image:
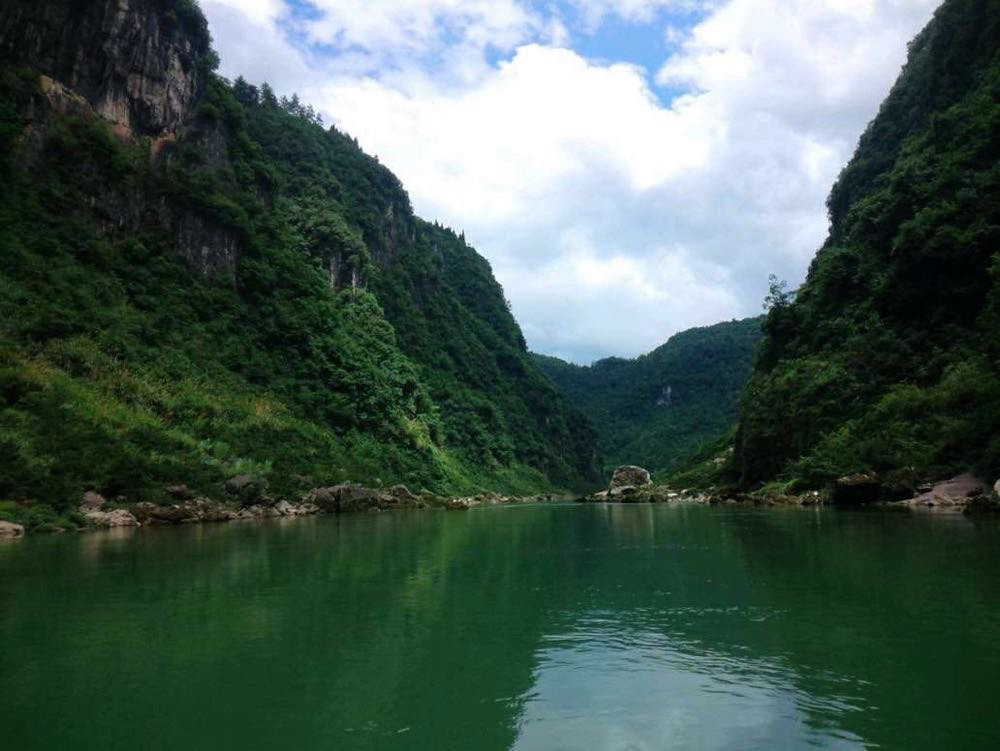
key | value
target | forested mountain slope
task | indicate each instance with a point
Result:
(889, 356)
(200, 280)
(657, 409)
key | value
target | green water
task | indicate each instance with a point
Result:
(545, 627)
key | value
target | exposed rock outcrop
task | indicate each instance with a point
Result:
(206, 247)
(138, 63)
(956, 492)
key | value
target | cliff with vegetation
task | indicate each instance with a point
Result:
(887, 360)
(657, 409)
(201, 281)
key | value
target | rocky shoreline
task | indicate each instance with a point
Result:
(248, 500)
(962, 493)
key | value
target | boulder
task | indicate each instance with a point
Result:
(863, 487)
(196, 510)
(324, 498)
(429, 499)
(356, 498)
(458, 504)
(629, 476)
(248, 488)
(996, 490)
(622, 491)
(92, 500)
(118, 517)
(285, 508)
(203, 510)
(11, 530)
(955, 492)
(347, 497)
(399, 496)
(149, 513)
(402, 493)
(179, 491)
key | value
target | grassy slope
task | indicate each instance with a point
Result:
(627, 401)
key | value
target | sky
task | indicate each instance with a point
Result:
(630, 168)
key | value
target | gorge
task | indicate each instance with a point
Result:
(214, 307)
(203, 282)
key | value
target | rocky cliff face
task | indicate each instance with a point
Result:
(139, 63)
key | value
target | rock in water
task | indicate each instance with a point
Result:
(9, 529)
(629, 476)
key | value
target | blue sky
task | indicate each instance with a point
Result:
(630, 168)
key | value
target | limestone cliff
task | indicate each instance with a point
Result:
(219, 285)
(139, 63)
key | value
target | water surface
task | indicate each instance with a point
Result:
(528, 628)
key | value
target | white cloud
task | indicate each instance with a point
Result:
(612, 220)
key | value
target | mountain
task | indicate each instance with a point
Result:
(888, 357)
(657, 409)
(201, 280)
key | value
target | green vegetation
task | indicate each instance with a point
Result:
(657, 409)
(889, 355)
(254, 298)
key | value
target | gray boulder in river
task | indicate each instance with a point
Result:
(629, 476)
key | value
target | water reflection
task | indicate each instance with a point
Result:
(606, 686)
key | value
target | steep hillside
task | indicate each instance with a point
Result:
(657, 409)
(200, 280)
(888, 356)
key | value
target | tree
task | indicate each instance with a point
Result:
(778, 294)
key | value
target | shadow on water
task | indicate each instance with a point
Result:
(549, 627)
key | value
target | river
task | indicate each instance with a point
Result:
(531, 628)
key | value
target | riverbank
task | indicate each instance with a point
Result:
(963, 493)
(247, 501)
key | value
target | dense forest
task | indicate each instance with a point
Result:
(887, 359)
(249, 294)
(658, 409)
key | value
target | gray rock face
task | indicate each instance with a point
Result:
(629, 476)
(996, 490)
(137, 65)
(205, 246)
(955, 492)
